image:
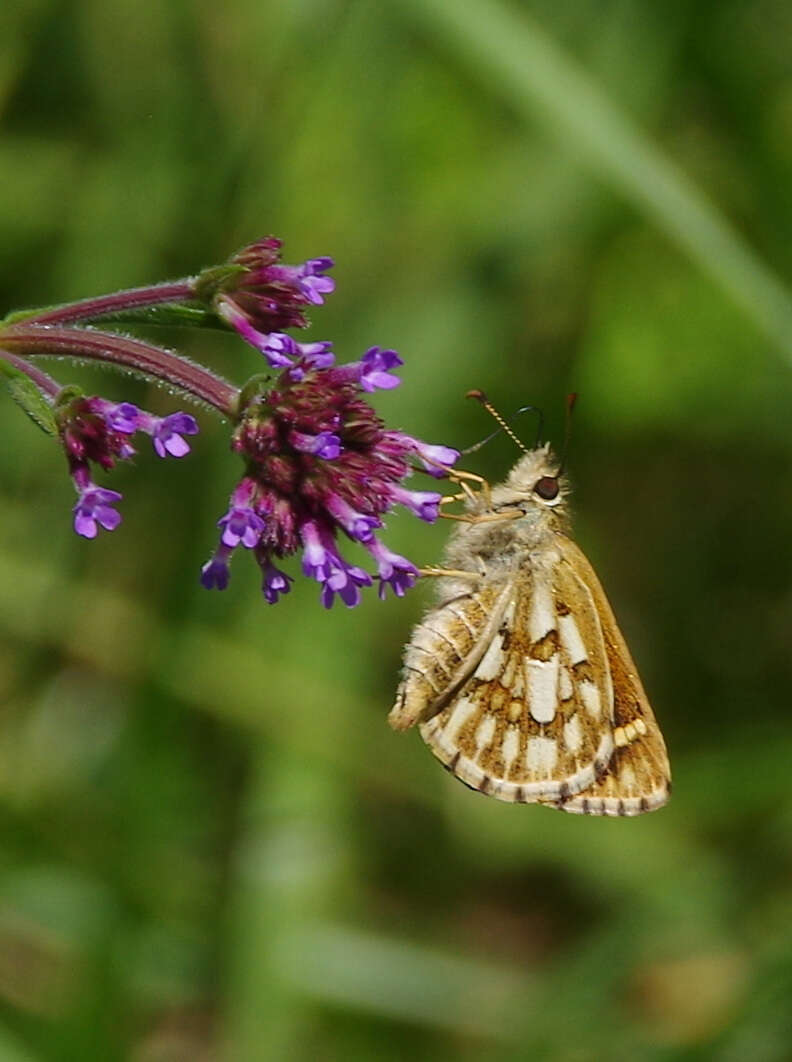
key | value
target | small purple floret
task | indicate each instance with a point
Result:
(326, 444)
(393, 570)
(274, 583)
(123, 418)
(216, 573)
(277, 348)
(424, 503)
(374, 366)
(95, 507)
(437, 460)
(357, 525)
(241, 525)
(312, 284)
(345, 580)
(322, 562)
(167, 434)
(317, 355)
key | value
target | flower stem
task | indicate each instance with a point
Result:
(102, 305)
(40, 340)
(48, 387)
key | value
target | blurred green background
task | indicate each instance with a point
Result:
(211, 844)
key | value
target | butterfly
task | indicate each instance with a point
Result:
(519, 678)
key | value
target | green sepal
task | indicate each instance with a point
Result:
(257, 385)
(211, 281)
(29, 399)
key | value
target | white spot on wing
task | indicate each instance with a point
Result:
(565, 689)
(589, 694)
(573, 735)
(540, 756)
(541, 677)
(543, 614)
(460, 713)
(571, 640)
(510, 747)
(484, 733)
(490, 665)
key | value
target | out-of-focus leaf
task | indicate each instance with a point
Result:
(28, 397)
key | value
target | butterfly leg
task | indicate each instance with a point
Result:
(452, 573)
(464, 479)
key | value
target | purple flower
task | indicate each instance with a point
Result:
(437, 460)
(215, 574)
(326, 444)
(166, 434)
(375, 364)
(322, 562)
(316, 355)
(123, 418)
(318, 460)
(357, 525)
(257, 292)
(274, 583)
(345, 581)
(277, 347)
(424, 503)
(241, 525)
(93, 429)
(393, 570)
(312, 284)
(95, 506)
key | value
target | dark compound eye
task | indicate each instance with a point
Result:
(547, 488)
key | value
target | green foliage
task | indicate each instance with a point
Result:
(212, 845)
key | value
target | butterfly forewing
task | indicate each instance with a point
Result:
(533, 723)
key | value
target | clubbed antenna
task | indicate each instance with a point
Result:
(482, 398)
(571, 399)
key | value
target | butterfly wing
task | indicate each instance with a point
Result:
(552, 710)
(638, 777)
(446, 648)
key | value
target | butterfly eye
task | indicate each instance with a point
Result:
(547, 488)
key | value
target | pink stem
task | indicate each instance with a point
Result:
(38, 340)
(45, 383)
(101, 305)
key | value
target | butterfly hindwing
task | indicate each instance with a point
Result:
(444, 650)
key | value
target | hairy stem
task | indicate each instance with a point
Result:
(39, 340)
(45, 383)
(101, 305)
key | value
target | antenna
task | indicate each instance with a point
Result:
(482, 398)
(571, 399)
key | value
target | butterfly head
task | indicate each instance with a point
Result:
(536, 479)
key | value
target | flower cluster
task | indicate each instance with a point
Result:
(95, 429)
(258, 295)
(319, 463)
